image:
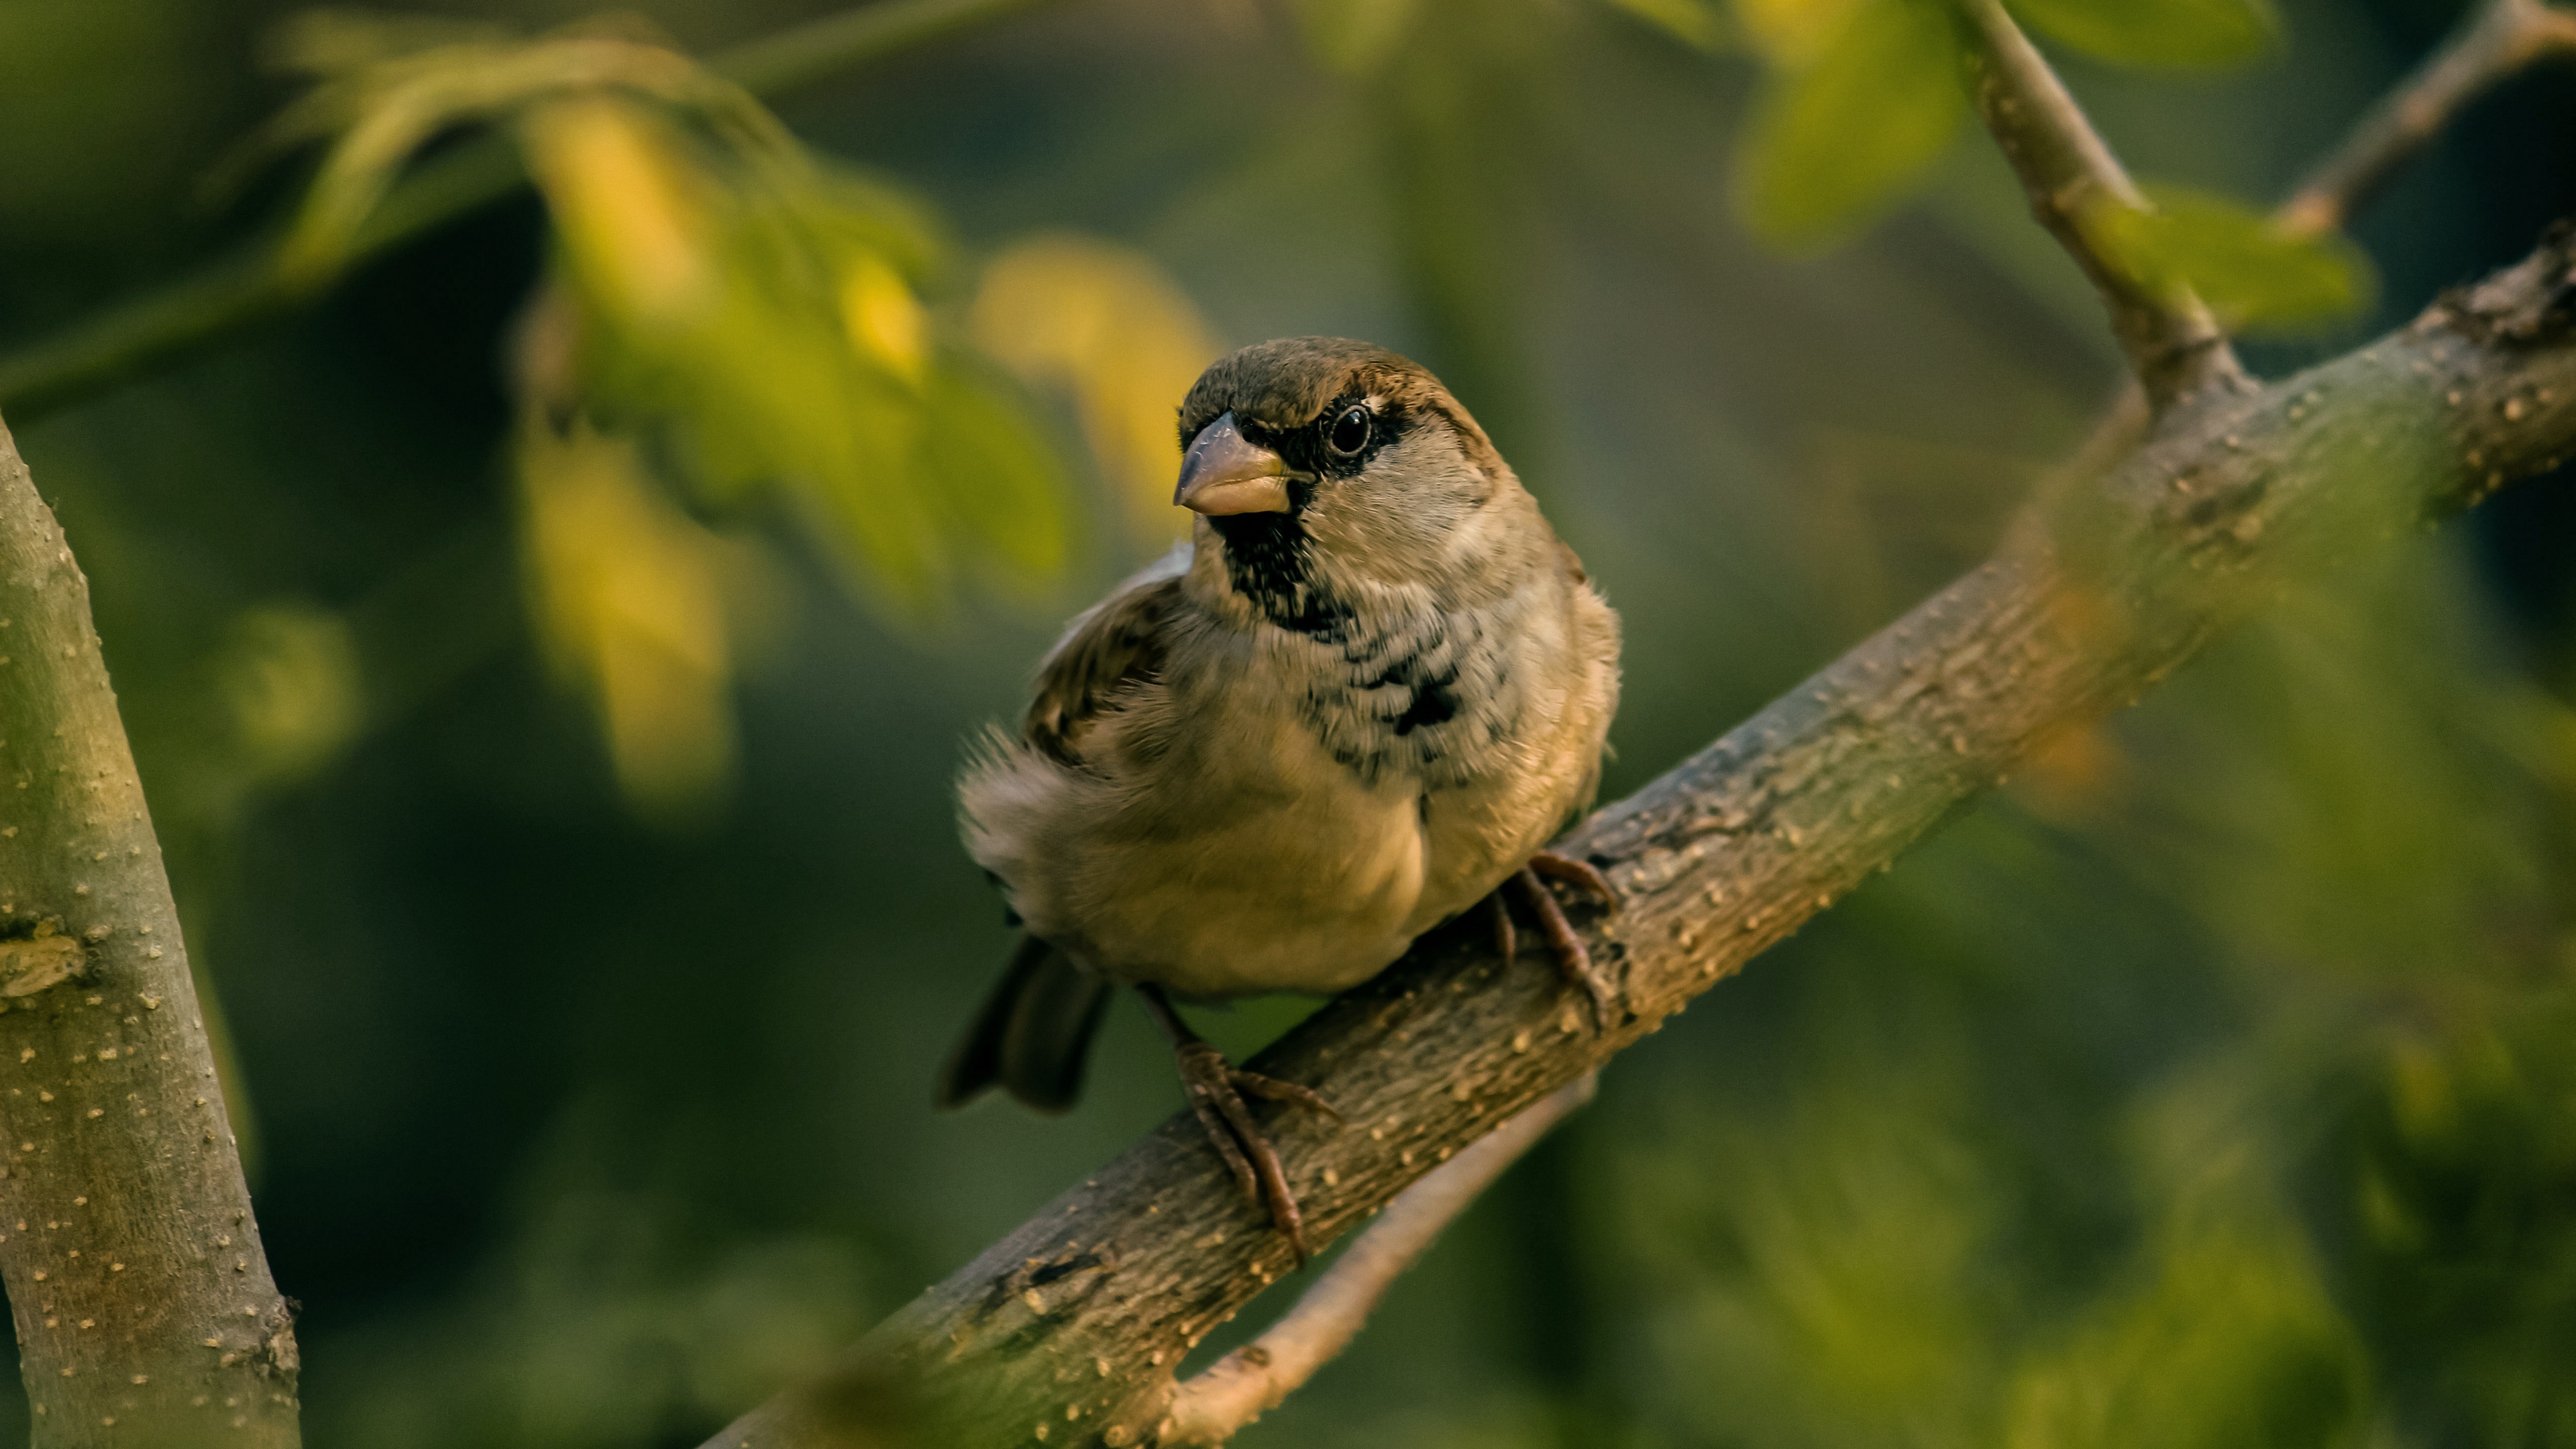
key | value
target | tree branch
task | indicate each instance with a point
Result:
(2173, 344)
(1069, 1329)
(2497, 40)
(170, 323)
(142, 1299)
(1259, 1376)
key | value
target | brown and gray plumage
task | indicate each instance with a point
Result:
(1360, 701)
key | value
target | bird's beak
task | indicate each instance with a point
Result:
(1225, 472)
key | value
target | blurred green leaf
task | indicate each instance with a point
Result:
(990, 467)
(2226, 1336)
(1835, 143)
(1792, 33)
(1109, 325)
(2234, 1342)
(2252, 274)
(290, 672)
(723, 312)
(2468, 1158)
(629, 598)
(388, 85)
(742, 313)
(738, 307)
(1353, 36)
(1695, 23)
(2163, 34)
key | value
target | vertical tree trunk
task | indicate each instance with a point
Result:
(143, 1302)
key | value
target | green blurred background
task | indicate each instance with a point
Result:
(558, 802)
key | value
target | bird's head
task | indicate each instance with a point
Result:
(1322, 445)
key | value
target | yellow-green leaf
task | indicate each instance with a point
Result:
(631, 216)
(629, 597)
(1353, 36)
(1108, 324)
(1694, 23)
(1836, 142)
(996, 476)
(2252, 274)
(291, 674)
(881, 314)
(2164, 34)
(1791, 32)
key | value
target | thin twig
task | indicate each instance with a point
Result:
(2499, 39)
(178, 320)
(1259, 1376)
(2173, 343)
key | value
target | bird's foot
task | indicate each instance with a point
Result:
(1215, 1088)
(1573, 962)
(1582, 874)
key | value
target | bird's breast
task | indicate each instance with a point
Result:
(1274, 867)
(1418, 694)
(1287, 811)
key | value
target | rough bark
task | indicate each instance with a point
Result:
(143, 1303)
(1069, 1330)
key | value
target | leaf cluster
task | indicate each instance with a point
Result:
(729, 326)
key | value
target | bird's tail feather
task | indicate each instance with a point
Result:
(1031, 1035)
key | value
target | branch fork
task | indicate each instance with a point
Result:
(2173, 343)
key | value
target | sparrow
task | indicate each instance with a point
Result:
(1356, 704)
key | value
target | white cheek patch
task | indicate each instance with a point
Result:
(1417, 507)
(1436, 494)
(1435, 480)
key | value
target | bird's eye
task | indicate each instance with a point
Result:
(1350, 431)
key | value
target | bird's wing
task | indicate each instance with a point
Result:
(1111, 647)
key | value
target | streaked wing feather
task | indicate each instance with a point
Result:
(1110, 649)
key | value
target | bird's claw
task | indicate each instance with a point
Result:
(1580, 873)
(1573, 962)
(1215, 1088)
(1275, 1090)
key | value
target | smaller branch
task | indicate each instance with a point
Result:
(2173, 344)
(1257, 1377)
(2499, 39)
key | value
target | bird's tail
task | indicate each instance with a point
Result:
(1032, 1033)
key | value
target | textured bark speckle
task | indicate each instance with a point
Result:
(144, 1308)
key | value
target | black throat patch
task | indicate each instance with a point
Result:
(1270, 561)
(1269, 557)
